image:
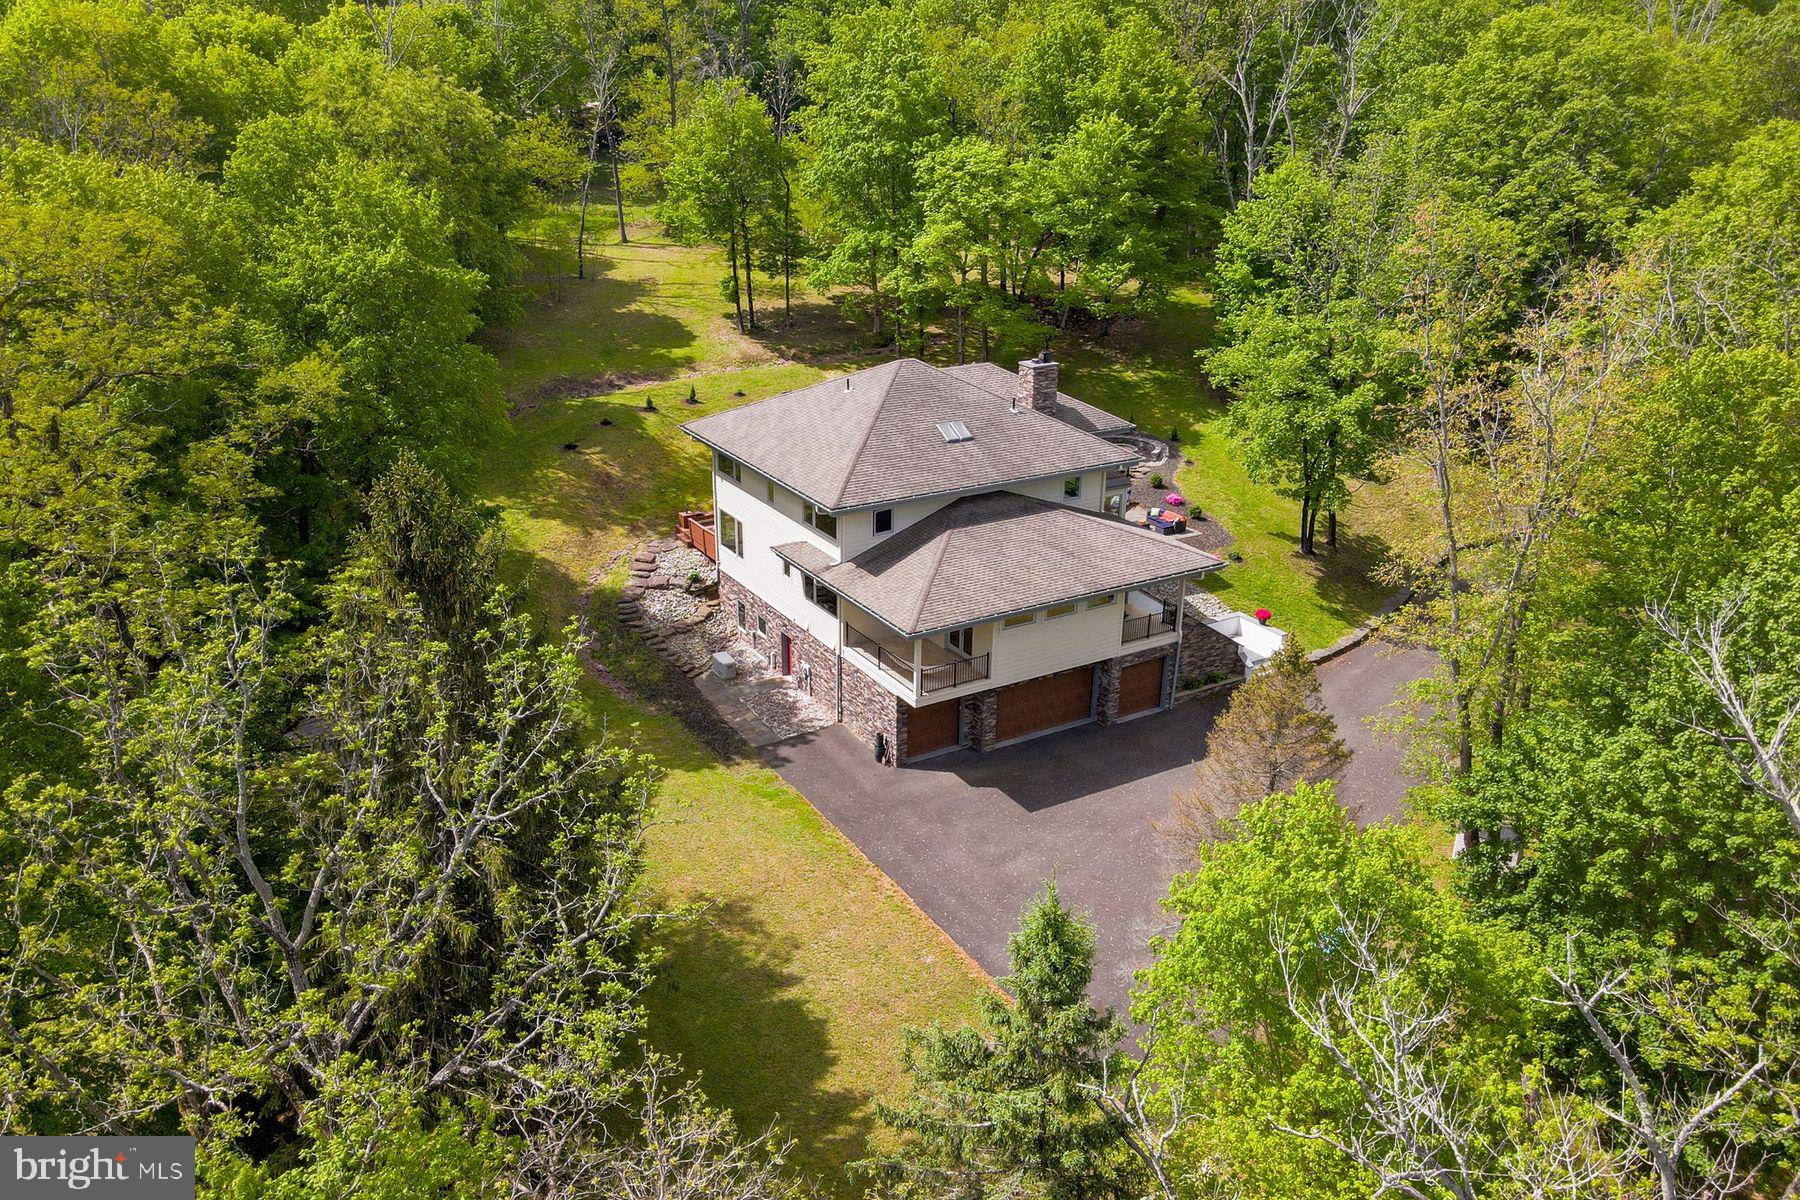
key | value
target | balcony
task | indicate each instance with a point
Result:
(1146, 616)
(938, 670)
(1117, 480)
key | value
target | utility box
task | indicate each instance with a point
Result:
(724, 666)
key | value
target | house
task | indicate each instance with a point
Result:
(937, 554)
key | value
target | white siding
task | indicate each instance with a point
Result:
(857, 529)
(759, 568)
(1046, 646)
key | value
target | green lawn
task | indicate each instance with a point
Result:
(788, 994)
(1150, 375)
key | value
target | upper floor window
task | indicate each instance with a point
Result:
(962, 640)
(731, 533)
(1072, 486)
(820, 595)
(822, 521)
(1018, 619)
(1103, 601)
(771, 484)
(728, 466)
(1058, 610)
(884, 520)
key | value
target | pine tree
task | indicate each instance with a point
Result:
(1275, 733)
(1008, 1109)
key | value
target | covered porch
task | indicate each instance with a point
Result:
(922, 665)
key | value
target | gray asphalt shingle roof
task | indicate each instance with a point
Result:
(1069, 410)
(878, 441)
(990, 555)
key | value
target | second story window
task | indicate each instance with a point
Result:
(822, 521)
(731, 533)
(884, 520)
(771, 484)
(820, 595)
(1018, 619)
(1058, 610)
(728, 466)
(1072, 487)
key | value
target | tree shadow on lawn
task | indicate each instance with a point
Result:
(632, 474)
(575, 329)
(726, 999)
(1341, 580)
(818, 332)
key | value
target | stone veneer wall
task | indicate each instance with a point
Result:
(859, 702)
(1205, 651)
(870, 709)
(980, 713)
(1107, 705)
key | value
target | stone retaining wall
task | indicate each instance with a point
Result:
(1205, 651)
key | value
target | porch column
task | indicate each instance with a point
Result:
(1180, 604)
(918, 648)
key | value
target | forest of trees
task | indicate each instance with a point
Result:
(309, 851)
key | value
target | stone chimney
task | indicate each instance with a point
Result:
(1037, 383)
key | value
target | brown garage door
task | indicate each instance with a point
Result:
(931, 728)
(1140, 687)
(1044, 703)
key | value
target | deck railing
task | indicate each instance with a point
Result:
(954, 674)
(1140, 627)
(696, 529)
(933, 678)
(887, 660)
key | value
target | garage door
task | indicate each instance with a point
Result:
(1044, 703)
(931, 728)
(1140, 687)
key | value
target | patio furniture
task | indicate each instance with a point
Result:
(1167, 522)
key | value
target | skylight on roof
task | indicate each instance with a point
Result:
(955, 431)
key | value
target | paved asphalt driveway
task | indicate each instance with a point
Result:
(972, 837)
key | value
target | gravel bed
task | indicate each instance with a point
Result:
(667, 608)
(783, 708)
(677, 564)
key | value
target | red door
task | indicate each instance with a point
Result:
(787, 655)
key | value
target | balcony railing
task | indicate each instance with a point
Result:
(887, 660)
(1117, 479)
(954, 674)
(934, 678)
(1137, 628)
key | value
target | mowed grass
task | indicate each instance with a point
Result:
(788, 993)
(1150, 374)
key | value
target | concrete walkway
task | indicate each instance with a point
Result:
(972, 837)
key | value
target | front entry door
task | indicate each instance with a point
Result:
(787, 655)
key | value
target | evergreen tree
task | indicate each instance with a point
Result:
(1276, 733)
(1009, 1108)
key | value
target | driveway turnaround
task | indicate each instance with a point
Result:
(972, 837)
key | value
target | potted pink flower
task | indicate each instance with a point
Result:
(1263, 615)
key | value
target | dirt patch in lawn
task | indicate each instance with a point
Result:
(566, 387)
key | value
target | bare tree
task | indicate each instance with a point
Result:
(601, 50)
(671, 1145)
(1688, 20)
(1254, 55)
(1364, 27)
(1756, 726)
(1691, 1121)
(1415, 1132)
